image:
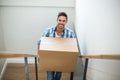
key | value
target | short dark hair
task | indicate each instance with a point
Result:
(62, 14)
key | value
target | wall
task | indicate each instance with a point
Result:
(2, 48)
(23, 25)
(45, 3)
(24, 21)
(97, 27)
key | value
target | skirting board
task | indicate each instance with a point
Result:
(3, 70)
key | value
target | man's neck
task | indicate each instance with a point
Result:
(59, 32)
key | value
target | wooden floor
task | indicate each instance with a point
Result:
(16, 71)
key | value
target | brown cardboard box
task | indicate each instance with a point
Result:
(58, 54)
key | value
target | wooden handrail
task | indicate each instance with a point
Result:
(15, 55)
(115, 56)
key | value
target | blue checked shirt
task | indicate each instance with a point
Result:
(50, 32)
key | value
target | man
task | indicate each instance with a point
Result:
(58, 31)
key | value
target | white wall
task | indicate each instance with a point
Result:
(2, 47)
(45, 3)
(98, 22)
(23, 21)
(97, 26)
(23, 25)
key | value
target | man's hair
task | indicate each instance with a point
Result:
(62, 14)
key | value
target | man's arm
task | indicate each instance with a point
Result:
(38, 48)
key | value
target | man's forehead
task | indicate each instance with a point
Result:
(62, 17)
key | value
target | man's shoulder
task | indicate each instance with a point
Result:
(51, 28)
(68, 29)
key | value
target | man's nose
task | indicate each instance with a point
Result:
(61, 22)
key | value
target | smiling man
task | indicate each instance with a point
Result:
(61, 31)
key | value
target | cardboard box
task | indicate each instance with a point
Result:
(58, 54)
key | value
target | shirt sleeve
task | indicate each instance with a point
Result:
(38, 42)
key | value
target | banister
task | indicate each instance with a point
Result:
(103, 56)
(15, 55)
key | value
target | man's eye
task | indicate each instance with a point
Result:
(63, 20)
(59, 20)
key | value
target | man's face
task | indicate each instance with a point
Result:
(61, 22)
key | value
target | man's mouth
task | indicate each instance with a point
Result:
(61, 27)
